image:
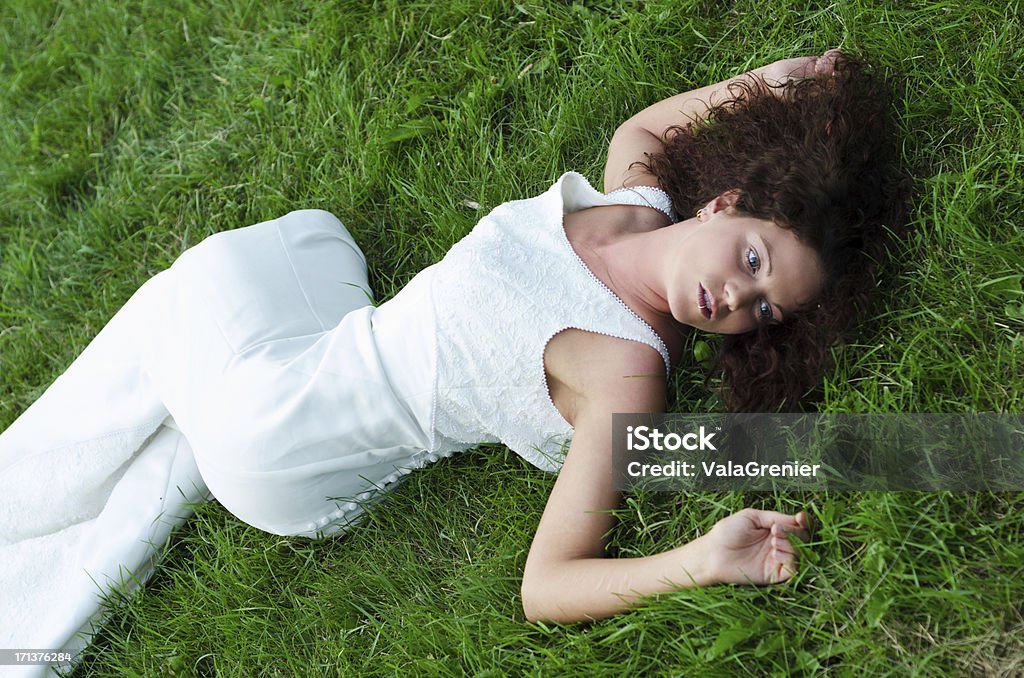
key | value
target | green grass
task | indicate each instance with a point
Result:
(134, 129)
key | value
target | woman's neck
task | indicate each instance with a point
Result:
(626, 248)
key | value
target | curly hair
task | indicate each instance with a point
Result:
(817, 156)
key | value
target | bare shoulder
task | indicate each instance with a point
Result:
(604, 374)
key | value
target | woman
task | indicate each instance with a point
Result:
(255, 369)
(802, 196)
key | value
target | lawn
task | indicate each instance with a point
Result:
(132, 130)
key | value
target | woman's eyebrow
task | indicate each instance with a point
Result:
(768, 271)
(768, 255)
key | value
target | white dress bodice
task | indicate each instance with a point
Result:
(483, 315)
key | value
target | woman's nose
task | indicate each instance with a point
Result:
(737, 294)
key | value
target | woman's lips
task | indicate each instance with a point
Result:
(705, 302)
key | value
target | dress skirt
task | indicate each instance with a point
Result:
(249, 371)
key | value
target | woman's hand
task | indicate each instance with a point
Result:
(786, 70)
(751, 546)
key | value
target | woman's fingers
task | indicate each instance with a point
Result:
(803, 519)
(782, 559)
(766, 519)
(780, 542)
(826, 63)
(787, 567)
(783, 565)
(803, 526)
(798, 525)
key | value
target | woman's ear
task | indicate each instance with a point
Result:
(723, 201)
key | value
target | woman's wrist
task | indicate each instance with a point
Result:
(696, 562)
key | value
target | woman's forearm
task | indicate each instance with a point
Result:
(687, 107)
(593, 588)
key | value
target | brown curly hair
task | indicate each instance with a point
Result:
(817, 156)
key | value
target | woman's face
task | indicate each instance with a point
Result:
(733, 273)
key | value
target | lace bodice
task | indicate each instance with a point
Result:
(499, 296)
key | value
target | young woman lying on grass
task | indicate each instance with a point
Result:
(256, 371)
(790, 173)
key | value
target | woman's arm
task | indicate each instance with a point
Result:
(647, 131)
(568, 579)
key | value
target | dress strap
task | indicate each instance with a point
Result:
(645, 196)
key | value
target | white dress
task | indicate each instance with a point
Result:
(255, 370)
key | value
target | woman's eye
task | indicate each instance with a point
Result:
(764, 311)
(753, 260)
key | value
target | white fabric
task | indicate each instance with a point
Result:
(501, 294)
(645, 196)
(255, 370)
